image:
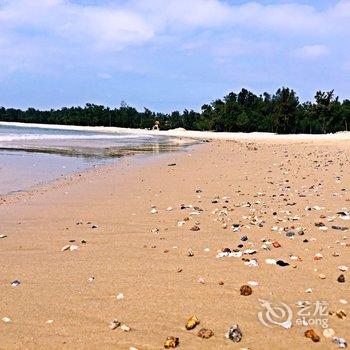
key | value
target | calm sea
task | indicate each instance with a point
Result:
(30, 157)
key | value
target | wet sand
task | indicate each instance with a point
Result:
(257, 186)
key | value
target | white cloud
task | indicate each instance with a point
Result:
(312, 51)
(36, 34)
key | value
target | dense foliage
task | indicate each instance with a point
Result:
(245, 111)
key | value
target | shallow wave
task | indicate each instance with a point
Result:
(27, 137)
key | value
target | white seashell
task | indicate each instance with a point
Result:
(6, 319)
(329, 333)
(125, 328)
(49, 321)
(73, 247)
(114, 324)
(343, 268)
(120, 296)
(343, 301)
(169, 209)
(270, 261)
(3, 236)
(309, 290)
(154, 211)
(252, 283)
(66, 247)
(207, 250)
(201, 280)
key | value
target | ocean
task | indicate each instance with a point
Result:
(31, 156)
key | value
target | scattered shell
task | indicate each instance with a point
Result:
(322, 276)
(341, 279)
(125, 328)
(64, 248)
(190, 253)
(205, 333)
(201, 280)
(234, 334)
(192, 323)
(340, 342)
(252, 283)
(310, 333)
(171, 342)
(114, 324)
(246, 290)
(6, 319)
(120, 296)
(15, 283)
(328, 333)
(2, 236)
(343, 268)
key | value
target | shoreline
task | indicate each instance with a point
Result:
(67, 299)
(254, 136)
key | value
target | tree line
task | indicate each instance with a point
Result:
(281, 112)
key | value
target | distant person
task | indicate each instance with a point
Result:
(156, 125)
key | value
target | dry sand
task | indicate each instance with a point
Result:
(124, 256)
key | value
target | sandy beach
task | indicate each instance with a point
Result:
(142, 240)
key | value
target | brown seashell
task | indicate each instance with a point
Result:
(246, 290)
(276, 244)
(205, 333)
(310, 333)
(171, 342)
(341, 279)
(195, 228)
(192, 322)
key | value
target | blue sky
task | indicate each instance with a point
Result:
(169, 54)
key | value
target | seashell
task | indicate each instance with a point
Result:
(15, 283)
(73, 247)
(2, 236)
(234, 334)
(205, 333)
(125, 328)
(154, 211)
(66, 247)
(341, 279)
(322, 276)
(49, 321)
(169, 209)
(252, 283)
(91, 279)
(341, 314)
(270, 261)
(343, 268)
(343, 301)
(192, 323)
(328, 333)
(201, 280)
(114, 324)
(340, 342)
(120, 296)
(190, 253)
(6, 319)
(310, 333)
(171, 342)
(246, 290)
(309, 290)
(195, 228)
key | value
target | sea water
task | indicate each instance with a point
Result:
(31, 156)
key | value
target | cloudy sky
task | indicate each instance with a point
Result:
(169, 54)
